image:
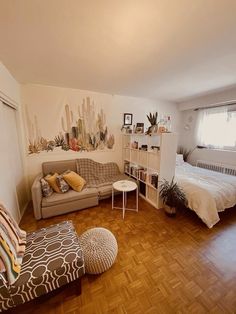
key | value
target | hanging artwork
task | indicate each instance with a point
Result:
(83, 130)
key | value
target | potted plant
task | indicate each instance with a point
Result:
(152, 118)
(172, 196)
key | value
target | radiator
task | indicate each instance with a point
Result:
(219, 167)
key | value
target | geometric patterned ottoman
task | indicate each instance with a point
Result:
(100, 249)
(53, 258)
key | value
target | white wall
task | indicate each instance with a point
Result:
(10, 137)
(211, 99)
(47, 102)
(9, 87)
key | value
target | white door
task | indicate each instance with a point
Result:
(11, 170)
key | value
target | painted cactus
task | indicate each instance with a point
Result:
(67, 123)
(86, 131)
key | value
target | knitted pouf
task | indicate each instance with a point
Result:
(99, 248)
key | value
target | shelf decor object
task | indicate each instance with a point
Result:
(128, 118)
(152, 118)
(150, 166)
(139, 128)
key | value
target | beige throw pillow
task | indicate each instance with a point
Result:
(75, 181)
(52, 180)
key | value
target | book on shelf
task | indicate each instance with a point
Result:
(143, 174)
(126, 167)
(153, 179)
(134, 170)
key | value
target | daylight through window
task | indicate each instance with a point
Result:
(217, 128)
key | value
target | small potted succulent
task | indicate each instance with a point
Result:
(172, 196)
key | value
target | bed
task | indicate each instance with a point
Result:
(207, 192)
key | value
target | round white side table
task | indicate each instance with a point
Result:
(125, 186)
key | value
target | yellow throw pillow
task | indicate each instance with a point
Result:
(75, 181)
(52, 180)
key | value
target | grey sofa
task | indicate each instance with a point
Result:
(99, 178)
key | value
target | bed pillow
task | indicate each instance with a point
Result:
(75, 181)
(52, 180)
(179, 159)
(12, 245)
(46, 188)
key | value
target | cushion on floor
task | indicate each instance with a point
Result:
(99, 248)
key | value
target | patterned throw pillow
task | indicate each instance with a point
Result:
(62, 184)
(46, 189)
(12, 245)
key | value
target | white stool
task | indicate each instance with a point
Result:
(125, 186)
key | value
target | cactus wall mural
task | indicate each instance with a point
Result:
(83, 130)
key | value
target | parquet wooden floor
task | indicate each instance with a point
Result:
(164, 265)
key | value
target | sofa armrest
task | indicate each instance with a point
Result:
(37, 196)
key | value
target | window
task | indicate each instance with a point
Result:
(217, 128)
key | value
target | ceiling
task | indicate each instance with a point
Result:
(166, 49)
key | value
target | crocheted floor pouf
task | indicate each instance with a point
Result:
(99, 248)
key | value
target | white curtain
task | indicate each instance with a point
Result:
(217, 128)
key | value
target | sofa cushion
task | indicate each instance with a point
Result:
(53, 258)
(105, 189)
(110, 180)
(71, 195)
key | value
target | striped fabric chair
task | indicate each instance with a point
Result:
(53, 258)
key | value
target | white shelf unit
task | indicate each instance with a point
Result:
(150, 167)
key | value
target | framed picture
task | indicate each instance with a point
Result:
(139, 128)
(128, 118)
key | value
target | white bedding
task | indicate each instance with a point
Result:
(207, 192)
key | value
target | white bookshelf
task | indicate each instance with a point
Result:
(151, 166)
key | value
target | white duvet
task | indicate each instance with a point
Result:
(207, 192)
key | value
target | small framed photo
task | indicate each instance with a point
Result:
(128, 118)
(139, 128)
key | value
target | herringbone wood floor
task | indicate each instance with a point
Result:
(164, 265)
